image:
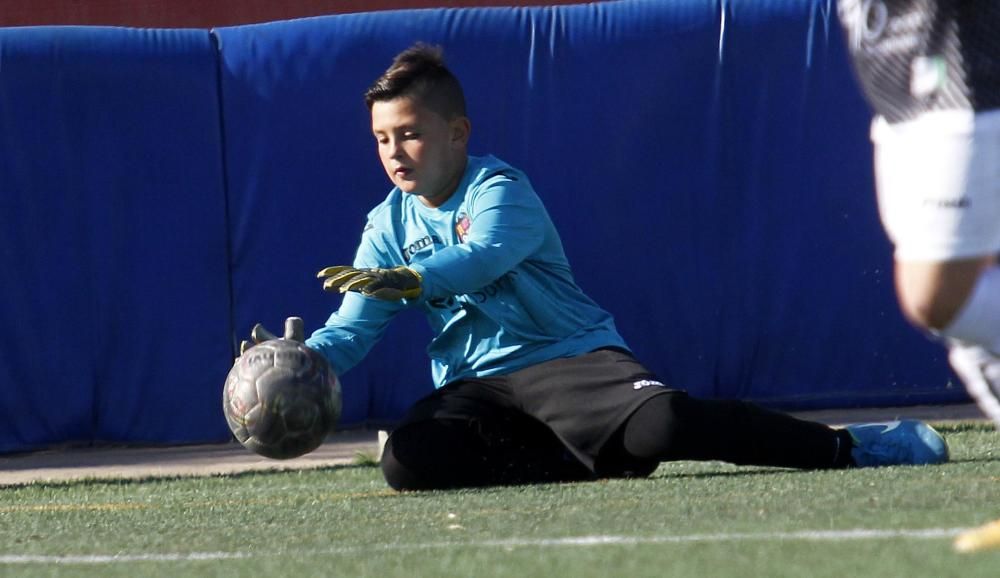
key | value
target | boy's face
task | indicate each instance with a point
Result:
(423, 153)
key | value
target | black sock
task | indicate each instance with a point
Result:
(675, 426)
(844, 458)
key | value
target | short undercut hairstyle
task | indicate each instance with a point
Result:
(419, 73)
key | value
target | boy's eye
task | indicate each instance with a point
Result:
(411, 135)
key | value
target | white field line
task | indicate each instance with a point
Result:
(579, 541)
(111, 559)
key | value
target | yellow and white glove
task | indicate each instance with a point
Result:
(386, 284)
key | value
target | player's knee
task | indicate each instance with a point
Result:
(930, 305)
(396, 474)
(653, 431)
(406, 458)
(931, 295)
(432, 455)
(927, 313)
(934, 310)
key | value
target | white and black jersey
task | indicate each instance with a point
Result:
(918, 56)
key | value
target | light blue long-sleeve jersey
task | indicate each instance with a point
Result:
(497, 288)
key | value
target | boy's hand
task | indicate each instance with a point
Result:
(387, 284)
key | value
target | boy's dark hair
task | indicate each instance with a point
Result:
(419, 73)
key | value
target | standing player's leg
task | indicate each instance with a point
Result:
(928, 68)
(959, 301)
(939, 194)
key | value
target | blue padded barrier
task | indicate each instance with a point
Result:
(115, 299)
(708, 165)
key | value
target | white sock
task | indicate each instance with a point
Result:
(974, 343)
(980, 372)
(978, 322)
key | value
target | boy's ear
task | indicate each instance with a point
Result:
(459, 129)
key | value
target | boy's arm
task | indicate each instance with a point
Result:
(508, 223)
(352, 330)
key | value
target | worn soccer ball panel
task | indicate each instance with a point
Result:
(281, 399)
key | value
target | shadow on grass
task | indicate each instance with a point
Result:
(979, 426)
(750, 472)
(977, 460)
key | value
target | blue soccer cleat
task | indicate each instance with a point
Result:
(906, 442)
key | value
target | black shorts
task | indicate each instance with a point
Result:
(583, 400)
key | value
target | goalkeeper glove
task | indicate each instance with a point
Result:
(386, 284)
(294, 331)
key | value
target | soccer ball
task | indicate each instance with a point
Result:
(281, 399)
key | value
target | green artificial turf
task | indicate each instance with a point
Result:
(688, 519)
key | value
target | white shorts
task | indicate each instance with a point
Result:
(938, 180)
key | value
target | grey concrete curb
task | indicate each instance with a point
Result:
(62, 465)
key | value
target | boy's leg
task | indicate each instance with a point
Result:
(675, 426)
(465, 436)
(612, 410)
(620, 420)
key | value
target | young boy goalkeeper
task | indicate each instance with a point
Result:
(534, 383)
